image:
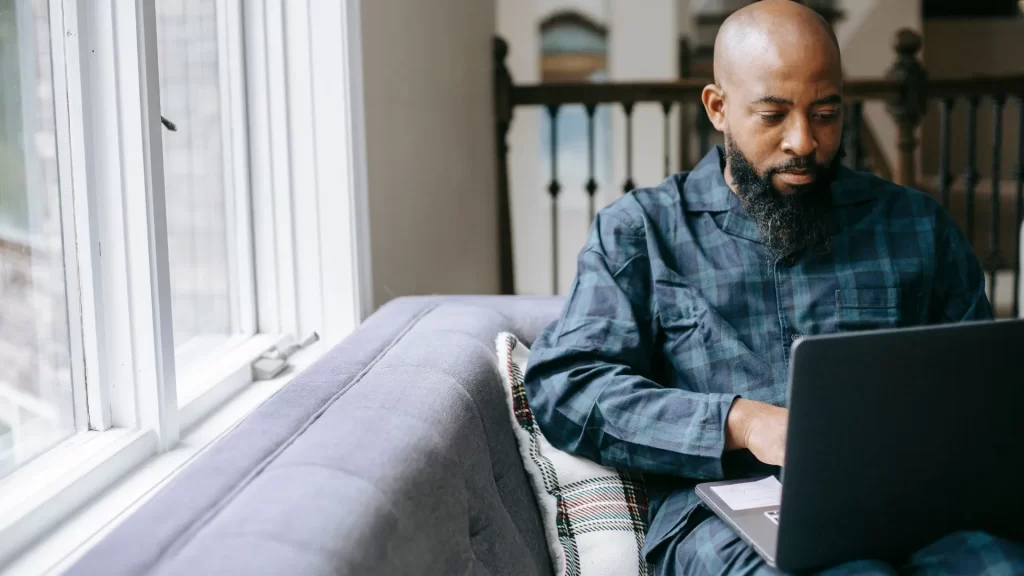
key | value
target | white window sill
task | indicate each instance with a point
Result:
(63, 545)
(201, 392)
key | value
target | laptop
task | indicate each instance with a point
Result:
(896, 438)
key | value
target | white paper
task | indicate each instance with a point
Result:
(746, 495)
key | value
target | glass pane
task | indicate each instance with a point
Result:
(35, 360)
(199, 219)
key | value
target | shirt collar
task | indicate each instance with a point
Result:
(705, 189)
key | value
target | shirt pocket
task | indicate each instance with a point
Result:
(868, 309)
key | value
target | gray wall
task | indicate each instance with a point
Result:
(430, 146)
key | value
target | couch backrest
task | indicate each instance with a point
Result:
(392, 455)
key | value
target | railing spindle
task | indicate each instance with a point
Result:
(945, 175)
(971, 171)
(1020, 204)
(553, 189)
(666, 107)
(994, 257)
(908, 108)
(503, 121)
(591, 181)
(628, 186)
(856, 147)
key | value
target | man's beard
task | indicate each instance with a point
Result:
(789, 223)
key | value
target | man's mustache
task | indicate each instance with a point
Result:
(807, 164)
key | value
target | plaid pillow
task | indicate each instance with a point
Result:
(595, 517)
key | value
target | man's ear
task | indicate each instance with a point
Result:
(714, 104)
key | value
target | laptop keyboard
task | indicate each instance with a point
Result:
(773, 515)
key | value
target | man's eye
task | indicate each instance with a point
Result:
(771, 116)
(826, 116)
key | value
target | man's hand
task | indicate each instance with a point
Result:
(758, 427)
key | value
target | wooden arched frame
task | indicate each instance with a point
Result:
(572, 66)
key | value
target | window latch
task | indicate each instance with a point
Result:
(273, 362)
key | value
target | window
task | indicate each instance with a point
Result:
(181, 190)
(197, 199)
(207, 224)
(35, 378)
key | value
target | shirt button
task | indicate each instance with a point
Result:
(795, 336)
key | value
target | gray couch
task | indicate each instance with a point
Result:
(392, 455)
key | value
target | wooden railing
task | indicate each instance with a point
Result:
(906, 90)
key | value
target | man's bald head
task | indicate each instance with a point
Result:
(777, 97)
(770, 30)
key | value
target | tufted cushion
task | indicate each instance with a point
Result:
(392, 455)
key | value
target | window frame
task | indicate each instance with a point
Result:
(28, 236)
(294, 105)
(195, 386)
(236, 175)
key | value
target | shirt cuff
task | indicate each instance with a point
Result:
(710, 448)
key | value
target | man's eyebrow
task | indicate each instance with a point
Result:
(773, 100)
(830, 99)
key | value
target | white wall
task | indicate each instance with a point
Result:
(644, 47)
(594, 9)
(430, 146)
(685, 19)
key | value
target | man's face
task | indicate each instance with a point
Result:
(786, 116)
(780, 106)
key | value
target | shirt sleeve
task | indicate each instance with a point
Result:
(590, 375)
(959, 288)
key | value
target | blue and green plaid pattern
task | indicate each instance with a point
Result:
(677, 308)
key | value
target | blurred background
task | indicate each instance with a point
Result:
(450, 209)
(661, 41)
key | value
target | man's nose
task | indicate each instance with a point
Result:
(799, 140)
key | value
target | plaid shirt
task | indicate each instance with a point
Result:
(677, 308)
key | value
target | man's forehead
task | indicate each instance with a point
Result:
(773, 73)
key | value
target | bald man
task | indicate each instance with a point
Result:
(671, 354)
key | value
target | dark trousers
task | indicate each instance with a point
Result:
(712, 548)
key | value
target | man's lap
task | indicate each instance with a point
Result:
(712, 548)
